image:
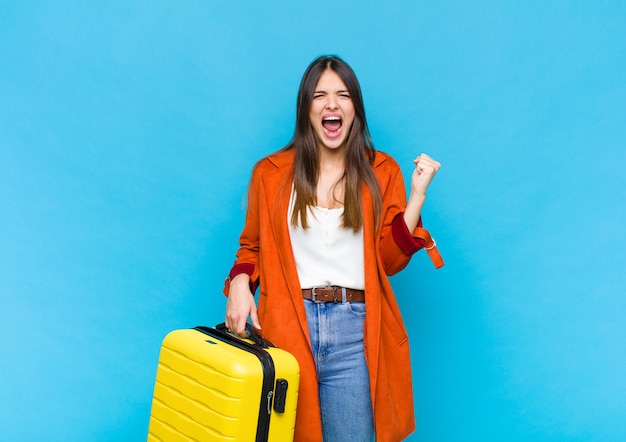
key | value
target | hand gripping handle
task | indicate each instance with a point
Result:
(253, 335)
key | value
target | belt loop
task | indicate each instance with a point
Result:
(343, 294)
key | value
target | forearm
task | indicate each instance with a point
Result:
(425, 170)
(413, 210)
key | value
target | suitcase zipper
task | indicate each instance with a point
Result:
(269, 373)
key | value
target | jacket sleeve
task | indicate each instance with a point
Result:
(247, 257)
(397, 243)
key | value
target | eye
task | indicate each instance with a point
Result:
(344, 95)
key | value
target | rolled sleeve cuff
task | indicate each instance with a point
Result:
(238, 269)
(401, 235)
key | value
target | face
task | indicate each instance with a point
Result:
(332, 111)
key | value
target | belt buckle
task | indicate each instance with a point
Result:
(336, 299)
(314, 295)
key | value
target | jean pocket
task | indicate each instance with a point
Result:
(357, 308)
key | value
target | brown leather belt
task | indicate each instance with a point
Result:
(333, 294)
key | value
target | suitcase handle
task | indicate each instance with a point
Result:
(253, 335)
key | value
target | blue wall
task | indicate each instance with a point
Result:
(127, 134)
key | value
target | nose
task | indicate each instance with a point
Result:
(332, 102)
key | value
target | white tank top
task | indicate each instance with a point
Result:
(326, 253)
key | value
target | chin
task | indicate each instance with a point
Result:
(334, 146)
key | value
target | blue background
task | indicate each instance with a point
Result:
(127, 134)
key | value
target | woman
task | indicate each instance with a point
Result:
(327, 222)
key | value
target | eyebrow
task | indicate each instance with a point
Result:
(324, 91)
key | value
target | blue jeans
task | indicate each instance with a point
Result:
(336, 331)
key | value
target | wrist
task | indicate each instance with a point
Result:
(240, 279)
(417, 195)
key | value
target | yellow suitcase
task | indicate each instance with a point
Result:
(213, 386)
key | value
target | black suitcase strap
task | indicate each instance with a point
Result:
(269, 373)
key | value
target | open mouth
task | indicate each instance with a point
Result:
(332, 124)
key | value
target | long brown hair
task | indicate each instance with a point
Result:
(359, 150)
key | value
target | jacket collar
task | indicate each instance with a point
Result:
(286, 157)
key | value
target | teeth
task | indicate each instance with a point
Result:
(332, 118)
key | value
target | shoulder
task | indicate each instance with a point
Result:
(385, 163)
(283, 158)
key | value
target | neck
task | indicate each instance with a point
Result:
(332, 159)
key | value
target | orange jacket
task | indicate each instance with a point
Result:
(266, 255)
